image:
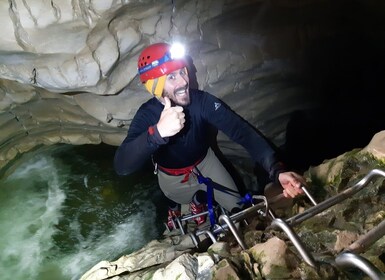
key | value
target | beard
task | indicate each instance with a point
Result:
(179, 97)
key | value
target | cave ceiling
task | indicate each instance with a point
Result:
(68, 69)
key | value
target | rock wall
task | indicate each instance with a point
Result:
(68, 75)
(303, 241)
(68, 68)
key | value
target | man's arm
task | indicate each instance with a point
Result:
(143, 139)
(136, 148)
(260, 150)
(217, 113)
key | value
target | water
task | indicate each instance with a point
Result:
(63, 209)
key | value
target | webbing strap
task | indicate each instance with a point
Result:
(186, 171)
(246, 199)
(210, 194)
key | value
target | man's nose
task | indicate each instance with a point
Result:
(182, 80)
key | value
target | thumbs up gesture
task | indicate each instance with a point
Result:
(171, 120)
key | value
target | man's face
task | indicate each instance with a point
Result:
(176, 87)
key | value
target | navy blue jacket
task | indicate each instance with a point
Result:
(192, 142)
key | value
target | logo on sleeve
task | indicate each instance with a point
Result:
(217, 105)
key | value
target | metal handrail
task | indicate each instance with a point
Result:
(262, 197)
(210, 235)
(308, 258)
(310, 212)
(228, 223)
(316, 209)
(347, 259)
(237, 217)
(229, 220)
(194, 239)
(226, 219)
(179, 222)
(368, 239)
(308, 195)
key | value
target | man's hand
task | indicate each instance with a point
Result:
(291, 183)
(171, 120)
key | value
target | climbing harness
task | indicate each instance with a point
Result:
(211, 185)
(186, 171)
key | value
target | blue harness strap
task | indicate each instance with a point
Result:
(210, 194)
(246, 199)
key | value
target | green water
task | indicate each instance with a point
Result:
(63, 209)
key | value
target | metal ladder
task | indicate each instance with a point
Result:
(348, 258)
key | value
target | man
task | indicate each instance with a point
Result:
(173, 128)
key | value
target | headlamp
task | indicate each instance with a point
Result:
(177, 51)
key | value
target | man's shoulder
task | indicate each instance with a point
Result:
(199, 95)
(150, 104)
(198, 92)
(202, 97)
(149, 110)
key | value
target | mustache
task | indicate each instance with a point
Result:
(181, 88)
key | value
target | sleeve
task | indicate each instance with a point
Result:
(219, 114)
(142, 140)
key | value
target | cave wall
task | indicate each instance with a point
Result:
(308, 74)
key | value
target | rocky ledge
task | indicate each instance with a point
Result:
(318, 247)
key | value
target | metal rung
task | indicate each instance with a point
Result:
(367, 239)
(308, 195)
(226, 219)
(343, 260)
(310, 212)
(230, 220)
(237, 217)
(210, 235)
(308, 258)
(178, 221)
(347, 259)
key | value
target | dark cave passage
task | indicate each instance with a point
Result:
(347, 72)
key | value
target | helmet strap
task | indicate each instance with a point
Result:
(156, 86)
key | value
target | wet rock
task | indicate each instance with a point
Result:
(225, 270)
(376, 146)
(344, 239)
(154, 253)
(184, 267)
(271, 255)
(274, 258)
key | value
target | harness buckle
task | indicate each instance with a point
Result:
(155, 168)
(155, 164)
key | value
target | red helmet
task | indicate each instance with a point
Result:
(157, 60)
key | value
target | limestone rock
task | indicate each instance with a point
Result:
(344, 239)
(205, 266)
(274, 258)
(184, 267)
(225, 270)
(154, 253)
(376, 146)
(221, 249)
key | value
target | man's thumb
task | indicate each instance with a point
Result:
(167, 103)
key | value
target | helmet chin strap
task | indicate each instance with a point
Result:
(156, 86)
